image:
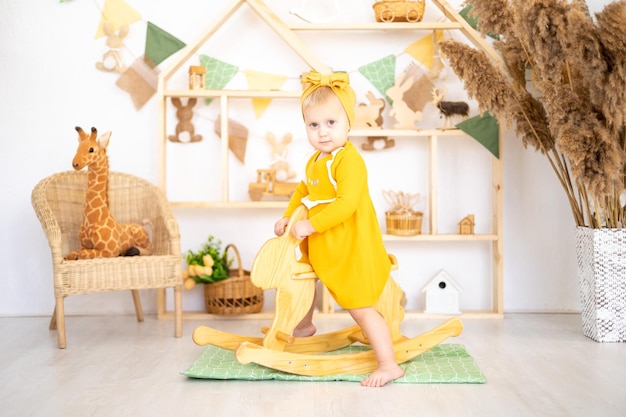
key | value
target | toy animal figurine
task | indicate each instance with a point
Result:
(100, 235)
(185, 130)
(418, 95)
(378, 143)
(112, 60)
(404, 116)
(279, 156)
(449, 109)
(369, 115)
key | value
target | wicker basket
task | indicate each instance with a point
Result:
(399, 11)
(405, 223)
(234, 295)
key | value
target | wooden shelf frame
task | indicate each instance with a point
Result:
(288, 33)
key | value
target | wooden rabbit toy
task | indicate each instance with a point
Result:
(112, 59)
(404, 116)
(369, 115)
(185, 130)
(279, 156)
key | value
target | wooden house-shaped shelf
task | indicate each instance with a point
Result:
(287, 32)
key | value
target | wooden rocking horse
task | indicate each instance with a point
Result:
(276, 266)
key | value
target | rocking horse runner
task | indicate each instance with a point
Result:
(100, 235)
(276, 267)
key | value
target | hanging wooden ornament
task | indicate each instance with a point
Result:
(112, 59)
(185, 130)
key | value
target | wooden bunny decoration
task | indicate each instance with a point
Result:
(369, 115)
(185, 130)
(112, 60)
(279, 156)
(405, 117)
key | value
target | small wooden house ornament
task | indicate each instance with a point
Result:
(442, 295)
(466, 225)
(197, 77)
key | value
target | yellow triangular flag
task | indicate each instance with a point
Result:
(423, 50)
(263, 81)
(118, 13)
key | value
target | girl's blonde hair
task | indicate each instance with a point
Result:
(317, 97)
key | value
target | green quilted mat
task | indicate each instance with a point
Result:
(443, 364)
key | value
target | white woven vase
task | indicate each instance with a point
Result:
(601, 255)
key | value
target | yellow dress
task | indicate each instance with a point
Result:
(347, 252)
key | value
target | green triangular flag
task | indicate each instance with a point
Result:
(485, 130)
(464, 13)
(218, 73)
(381, 74)
(160, 44)
(472, 21)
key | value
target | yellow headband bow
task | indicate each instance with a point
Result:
(339, 82)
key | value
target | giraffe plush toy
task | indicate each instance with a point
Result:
(100, 235)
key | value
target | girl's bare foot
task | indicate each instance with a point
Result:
(382, 375)
(305, 331)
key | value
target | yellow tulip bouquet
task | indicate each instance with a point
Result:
(207, 266)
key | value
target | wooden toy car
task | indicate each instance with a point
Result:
(267, 185)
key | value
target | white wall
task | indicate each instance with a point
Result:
(49, 84)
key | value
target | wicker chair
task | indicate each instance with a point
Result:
(58, 201)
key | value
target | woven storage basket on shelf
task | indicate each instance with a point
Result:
(404, 223)
(399, 11)
(234, 295)
(601, 256)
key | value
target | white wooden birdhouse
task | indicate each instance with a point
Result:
(442, 295)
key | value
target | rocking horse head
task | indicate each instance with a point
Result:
(91, 149)
(275, 264)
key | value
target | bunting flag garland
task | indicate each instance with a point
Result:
(218, 73)
(118, 13)
(261, 81)
(423, 50)
(160, 44)
(381, 74)
(483, 128)
(140, 81)
(473, 21)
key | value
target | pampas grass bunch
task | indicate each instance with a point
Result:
(563, 88)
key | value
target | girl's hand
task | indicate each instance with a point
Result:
(302, 229)
(280, 226)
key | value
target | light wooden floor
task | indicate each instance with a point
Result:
(536, 365)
